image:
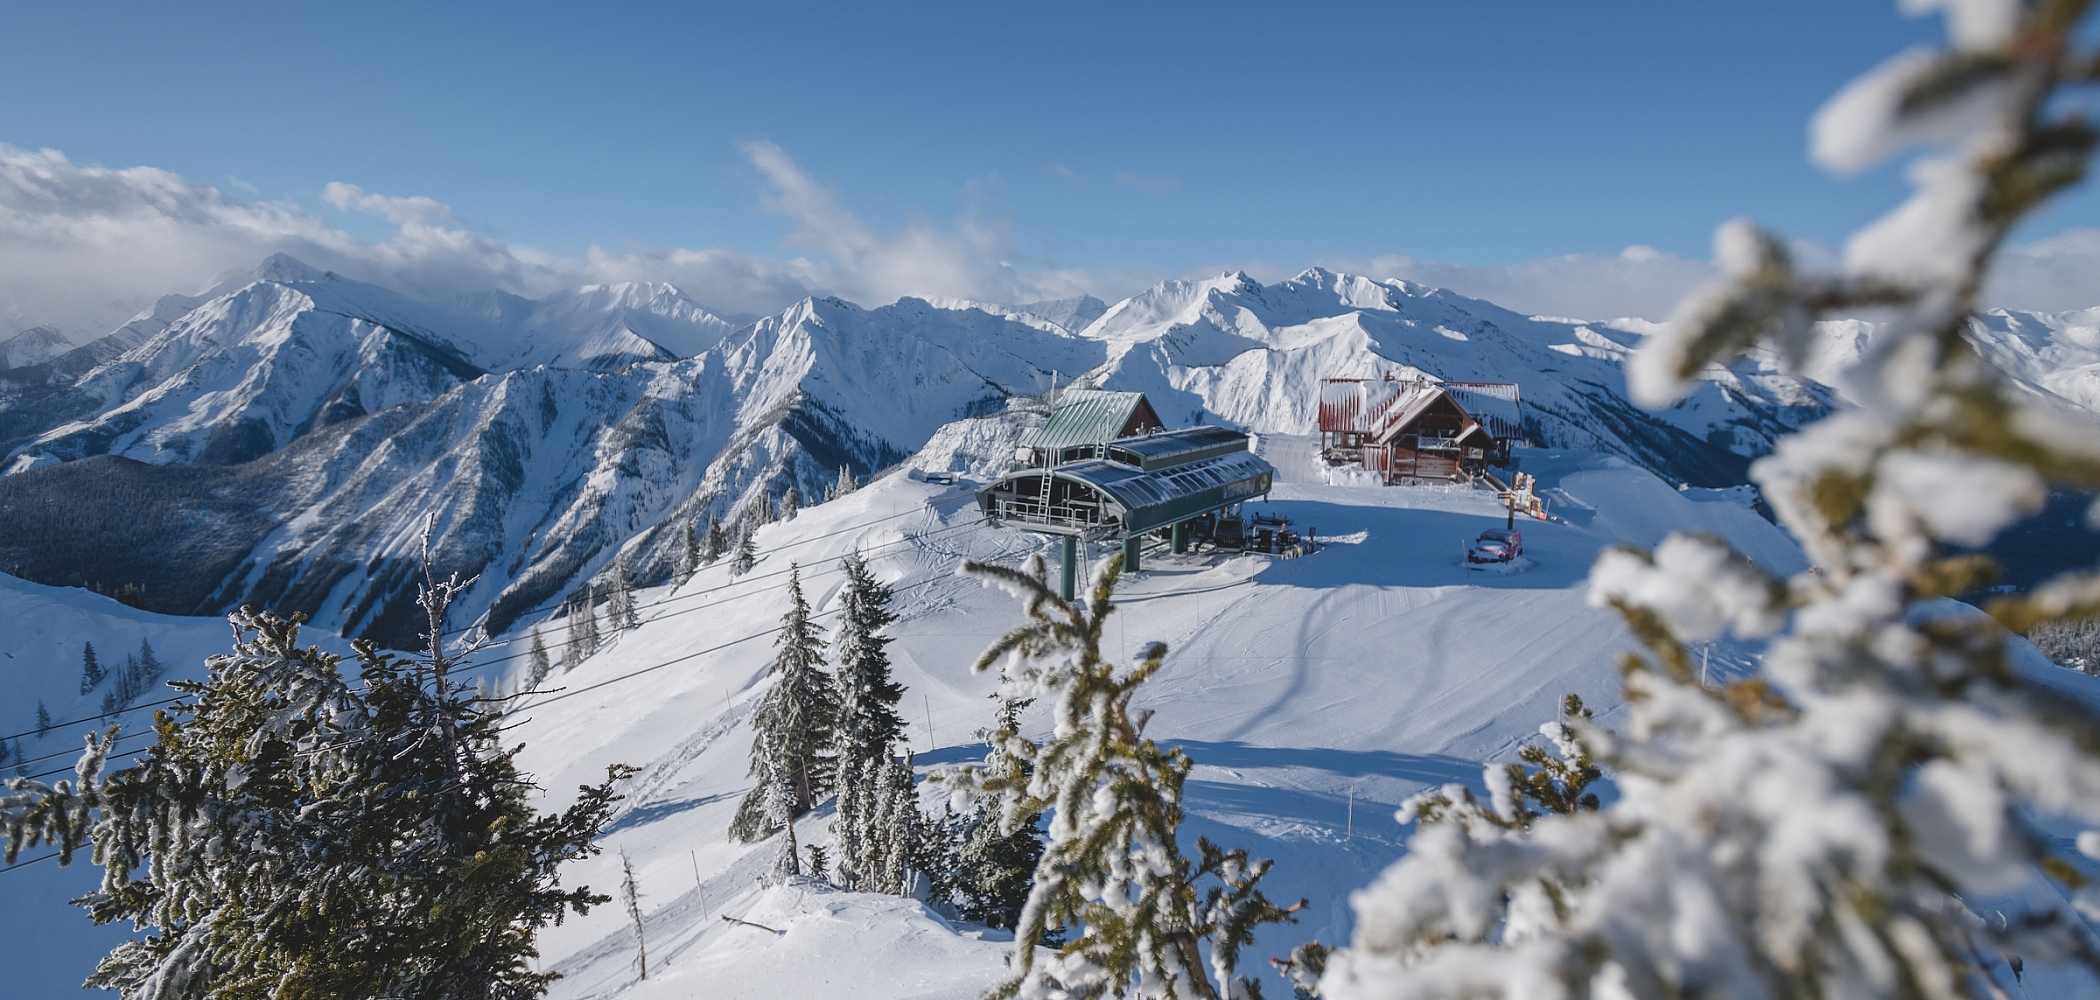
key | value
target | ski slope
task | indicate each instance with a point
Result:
(1314, 695)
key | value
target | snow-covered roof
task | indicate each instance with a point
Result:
(1088, 416)
(1494, 404)
(1372, 406)
(1375, 407)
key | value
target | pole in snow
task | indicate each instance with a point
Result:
(929, 720)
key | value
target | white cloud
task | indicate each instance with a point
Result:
(84, 247)
(1638, 281)
(2051, 274)
(412, 211)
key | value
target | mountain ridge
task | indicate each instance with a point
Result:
(550, 437)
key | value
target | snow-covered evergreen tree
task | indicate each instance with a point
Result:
(790, 503)
(997, 856)
(149, 664)
(688, 553)
(852, 821)
(777, 791)
(846, 483)
(43, 720)
(715, 543)
(891, 826)
(621, 612)
(91, 672)
(746, 555)
(1900, 804)
(292, 834)
(1148, 921)
(869, 725)
(795, 721)
(583, 627)
(537, 663)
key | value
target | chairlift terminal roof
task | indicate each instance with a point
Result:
(1085, 416)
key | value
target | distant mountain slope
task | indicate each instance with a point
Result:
(1254, 354)
(33, 346)
(550, 436)
(281, 441)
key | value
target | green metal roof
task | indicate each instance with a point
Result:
(1084, 416)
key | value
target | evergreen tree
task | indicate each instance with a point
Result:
(746, 549)
(621, 613)
(715, 544)
(583, 627)
(761, 510)
(790, 503)
(778, 789)
(1149, 921)
(845, 484)
(1861, 818)
(689, 554)
(391, 799)
(795, 722)
(869, 724)
(149, 665)
(890, 827)
(21, 771)
(43, 720)
(852, 824)
(91, 672)
(537, 664)
(997, 856)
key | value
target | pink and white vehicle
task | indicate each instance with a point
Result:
(1496, 545)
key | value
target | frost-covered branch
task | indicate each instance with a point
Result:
(1112, 871)
(1832, 826)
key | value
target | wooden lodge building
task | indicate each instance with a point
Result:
(1408, 430)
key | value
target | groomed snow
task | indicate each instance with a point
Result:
(1314, 694)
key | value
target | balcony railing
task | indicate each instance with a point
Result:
(1035, 512)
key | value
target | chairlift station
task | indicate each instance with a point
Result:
(1103, 466)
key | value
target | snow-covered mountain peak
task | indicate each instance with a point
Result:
(33, 346)
(287, 269)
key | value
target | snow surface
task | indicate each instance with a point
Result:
(1315, 694)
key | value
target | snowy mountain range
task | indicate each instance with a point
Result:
(280, 439)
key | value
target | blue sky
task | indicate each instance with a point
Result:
(1122, 139)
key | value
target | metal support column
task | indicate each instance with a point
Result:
(1130, 552)
(1181, 537)
(1070, 565)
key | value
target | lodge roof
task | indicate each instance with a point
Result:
(1086, 416)
(1379, 407)
(1494, 404)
